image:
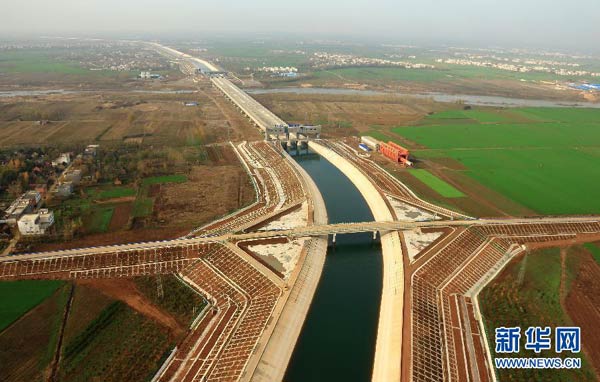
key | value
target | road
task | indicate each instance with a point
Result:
(260, 115)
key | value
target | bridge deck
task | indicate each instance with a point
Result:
(308, 231)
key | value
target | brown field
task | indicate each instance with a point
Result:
(120, 217)
(122, 117)
(211, 191)
(27, 346)
(583, 306)
(88, 81)
(451, 85)
(336, 112)
(87, 303)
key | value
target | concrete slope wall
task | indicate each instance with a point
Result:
(276, 356)
(388, 350)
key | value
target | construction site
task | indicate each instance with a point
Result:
(259, 267)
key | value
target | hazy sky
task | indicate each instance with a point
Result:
(558, 23)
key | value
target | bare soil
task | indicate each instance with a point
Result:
(120, 216)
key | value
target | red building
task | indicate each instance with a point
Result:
(395, 152)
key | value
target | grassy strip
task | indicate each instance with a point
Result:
(388, 74)
(441, 187)
(18, 297)
(164, 179)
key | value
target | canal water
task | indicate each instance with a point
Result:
(337, 342)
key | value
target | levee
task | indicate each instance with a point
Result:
(276, 356)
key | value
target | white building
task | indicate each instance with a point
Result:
(36, 224)
(91, 150)
(63, 159)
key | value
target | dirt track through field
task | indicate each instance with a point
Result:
(126, 291)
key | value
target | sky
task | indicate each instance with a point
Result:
(563, 24)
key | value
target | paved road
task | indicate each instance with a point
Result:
(259, 114)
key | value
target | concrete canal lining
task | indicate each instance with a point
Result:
(388, 350)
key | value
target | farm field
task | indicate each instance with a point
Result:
(164, 179)
(109, 118)
(594, 250)
(119, 344)
(542, 158)
(346, 115)
(382, 74)
(110, 192)
(532, 291)
(99, 219)
(18, 297)
(127, 324)
(27, 347)
(144, 203)
(38, 61)
(442, 73)
(441, 187)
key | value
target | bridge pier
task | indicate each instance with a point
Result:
(333, 239)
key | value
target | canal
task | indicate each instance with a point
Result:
(337, 342)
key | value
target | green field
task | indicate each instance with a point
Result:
(546, 159)
(143, 206)
(48, 61)
(594, 249)
(183, 302)
(99, 219)
(466, 115)
(164, 179)
(440, 73)
(34, 61)
(18, 297)
(110, 192)
(441, 187)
